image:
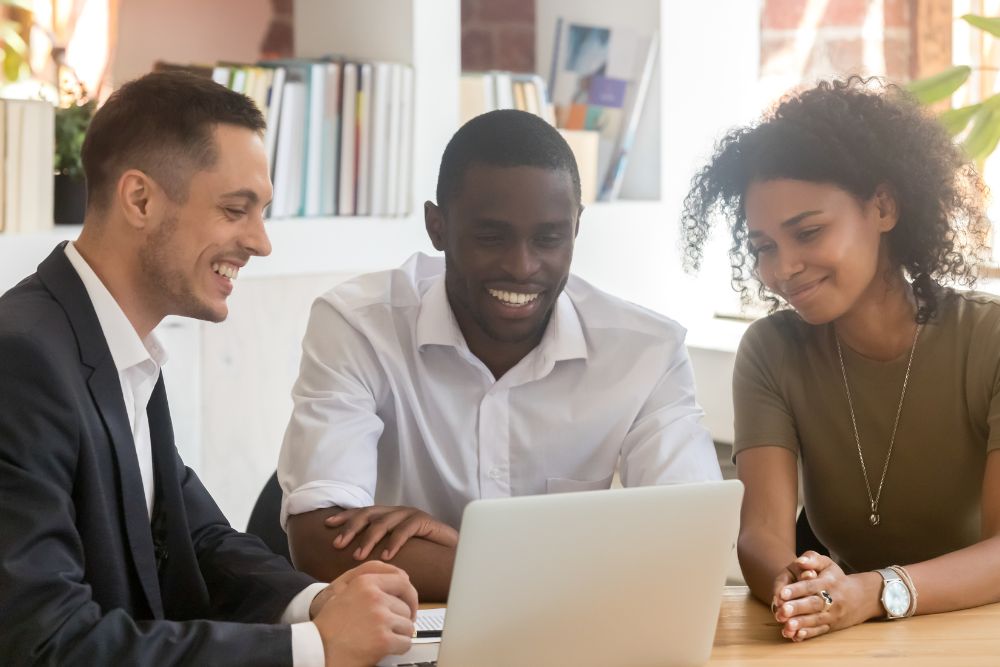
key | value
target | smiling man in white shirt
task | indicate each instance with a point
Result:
(111, 550)
(489, 373)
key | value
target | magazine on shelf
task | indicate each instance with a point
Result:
(598, 81)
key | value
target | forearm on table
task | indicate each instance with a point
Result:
(428, 564)
(961, 579)
(763, 556)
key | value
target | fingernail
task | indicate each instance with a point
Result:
(804, 559)
(802, 634)
(787, 609)
(793, 624)
(385, 555)
(786, 593)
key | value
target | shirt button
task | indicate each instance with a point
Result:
(495, 473)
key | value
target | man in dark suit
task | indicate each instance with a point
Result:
(111, 550)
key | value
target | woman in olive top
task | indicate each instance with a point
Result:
(850, 205)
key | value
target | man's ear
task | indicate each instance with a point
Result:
(138, 197)
(885, 207)
(434, 222)
(576, 229)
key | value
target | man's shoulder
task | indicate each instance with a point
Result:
(402, 287)
(29, 309)
(600, 311)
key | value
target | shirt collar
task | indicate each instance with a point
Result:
(436, 323)
(563, 338)
(127, 349)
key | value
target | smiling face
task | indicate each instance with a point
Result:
(190, 259)
(508, 240)
(817, 246)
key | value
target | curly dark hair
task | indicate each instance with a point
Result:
(856, 134)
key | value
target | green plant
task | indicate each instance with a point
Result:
(982, 137)
(13, 48)
(71, 127)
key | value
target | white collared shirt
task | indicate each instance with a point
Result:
(392, 408)
(138, 362)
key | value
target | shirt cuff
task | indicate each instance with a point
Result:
(307, 646)
(297, 610)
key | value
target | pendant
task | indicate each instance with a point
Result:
(873, 518)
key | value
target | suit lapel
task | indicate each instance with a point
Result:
(62, 281)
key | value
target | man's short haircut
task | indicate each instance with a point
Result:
(504, 138)
(161, 124)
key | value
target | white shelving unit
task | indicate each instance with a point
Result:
(232, 381)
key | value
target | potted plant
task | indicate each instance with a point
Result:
(70, 187)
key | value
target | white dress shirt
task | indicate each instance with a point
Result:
(392, 408)
(138, 362)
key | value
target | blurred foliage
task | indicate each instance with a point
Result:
(71, 127)
(980, 122)
(13, 47)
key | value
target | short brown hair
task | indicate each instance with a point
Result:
(162, 124)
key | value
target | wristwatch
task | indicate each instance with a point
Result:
(895, 594)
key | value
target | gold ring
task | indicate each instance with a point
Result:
(827, 600)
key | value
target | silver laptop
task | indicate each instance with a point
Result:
(625, 577)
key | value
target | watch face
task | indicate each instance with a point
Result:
(896, 598)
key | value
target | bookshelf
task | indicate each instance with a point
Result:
(234, 379)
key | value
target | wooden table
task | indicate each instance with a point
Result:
(747, 634)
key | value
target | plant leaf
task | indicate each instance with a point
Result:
(984, 135)
(988, 23)
(10, 36)
(955, 120)
(26, 5)
(939, 86)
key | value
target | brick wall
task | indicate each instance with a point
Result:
(279, 41)
(498, 34)
(805, 40)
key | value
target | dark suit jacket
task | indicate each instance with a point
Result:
(85, 579)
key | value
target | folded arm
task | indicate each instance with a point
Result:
(330, 541)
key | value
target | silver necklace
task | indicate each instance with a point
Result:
(873, 500)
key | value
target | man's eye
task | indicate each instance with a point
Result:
(807, 234)
(489, 239)
(235, 212)
(757, 250)
(549, 240)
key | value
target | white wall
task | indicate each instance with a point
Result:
(187, 31)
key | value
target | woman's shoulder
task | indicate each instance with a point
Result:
(971, 311)
(778, 330)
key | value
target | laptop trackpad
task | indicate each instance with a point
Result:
(417, 653)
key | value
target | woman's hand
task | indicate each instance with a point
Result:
(804, 612)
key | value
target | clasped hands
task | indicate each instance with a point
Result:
(801, 609)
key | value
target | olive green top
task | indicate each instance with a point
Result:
(788, 391)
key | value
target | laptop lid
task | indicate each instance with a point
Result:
(613, 577)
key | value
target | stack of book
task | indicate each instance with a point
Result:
(480, 92)
(339, 133)
(27, 157)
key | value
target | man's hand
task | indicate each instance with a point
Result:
(368, 614)
(394, 524)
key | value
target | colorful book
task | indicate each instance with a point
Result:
(598, 81)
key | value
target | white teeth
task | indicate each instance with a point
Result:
(226, 270)
(513, 298)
